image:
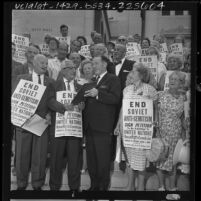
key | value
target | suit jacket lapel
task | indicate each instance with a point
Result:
(102, 80)
(122, 68)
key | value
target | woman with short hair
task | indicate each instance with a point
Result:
(136, 84)
(170, 129)
(174, 63)
(86, 71)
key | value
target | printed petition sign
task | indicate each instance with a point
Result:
(133, 49)
(177, 48)
(69, 124)
(163, 47)
(85, 51)
(44, 48)
(25, 101)
(150, 61)
(22, 43)
(137, 122)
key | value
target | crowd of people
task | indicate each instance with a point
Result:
(108, 78)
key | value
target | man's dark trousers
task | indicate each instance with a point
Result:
(98, 148)
(74, 153)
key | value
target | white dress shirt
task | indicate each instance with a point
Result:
(36, 79)
(71, 83)
(118, 67)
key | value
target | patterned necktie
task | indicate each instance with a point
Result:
(39, 79)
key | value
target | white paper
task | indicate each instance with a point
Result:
(36, 125)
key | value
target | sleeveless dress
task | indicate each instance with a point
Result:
(170, 125)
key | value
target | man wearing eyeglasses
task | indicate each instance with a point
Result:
(122, 40)
(69, 144)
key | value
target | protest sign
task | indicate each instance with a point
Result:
(177, 48)
(132, 49)
(150, 61)
(144, 52)
(163, 57)
(166, 85)
(69, 124)
(163, 47)
(85, 51)
(25, 101)
(65, 39)
(44, 48)
(137, 122)
(22, 43)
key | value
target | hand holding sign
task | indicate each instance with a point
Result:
(48, 119)
(68, 107)
(81, 106)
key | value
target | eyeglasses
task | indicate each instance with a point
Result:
(123, 40)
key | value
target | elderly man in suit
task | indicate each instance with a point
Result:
(99, 116)
(59, 144)
(31, 150)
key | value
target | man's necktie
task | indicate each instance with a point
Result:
(39, 79)
(68, 85)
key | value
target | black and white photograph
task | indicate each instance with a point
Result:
(101, 100)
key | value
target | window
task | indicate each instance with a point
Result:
(165, 12)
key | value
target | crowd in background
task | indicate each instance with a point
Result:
(171, 118)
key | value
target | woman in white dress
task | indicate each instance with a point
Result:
(136, 84)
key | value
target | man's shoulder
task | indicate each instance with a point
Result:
(24, 77)
(112, 76)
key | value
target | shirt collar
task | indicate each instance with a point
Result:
(122, 61)
(65, 80)
(101, 76)
(36, 75)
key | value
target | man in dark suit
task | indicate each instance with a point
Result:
(30, 148)
(122, 67)
(99, 116)
(70, 145)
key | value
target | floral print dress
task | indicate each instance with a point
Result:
(170, 126)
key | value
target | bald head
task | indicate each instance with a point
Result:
(119, 52)
(30, 53)
(40, 63)
(68, 70)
